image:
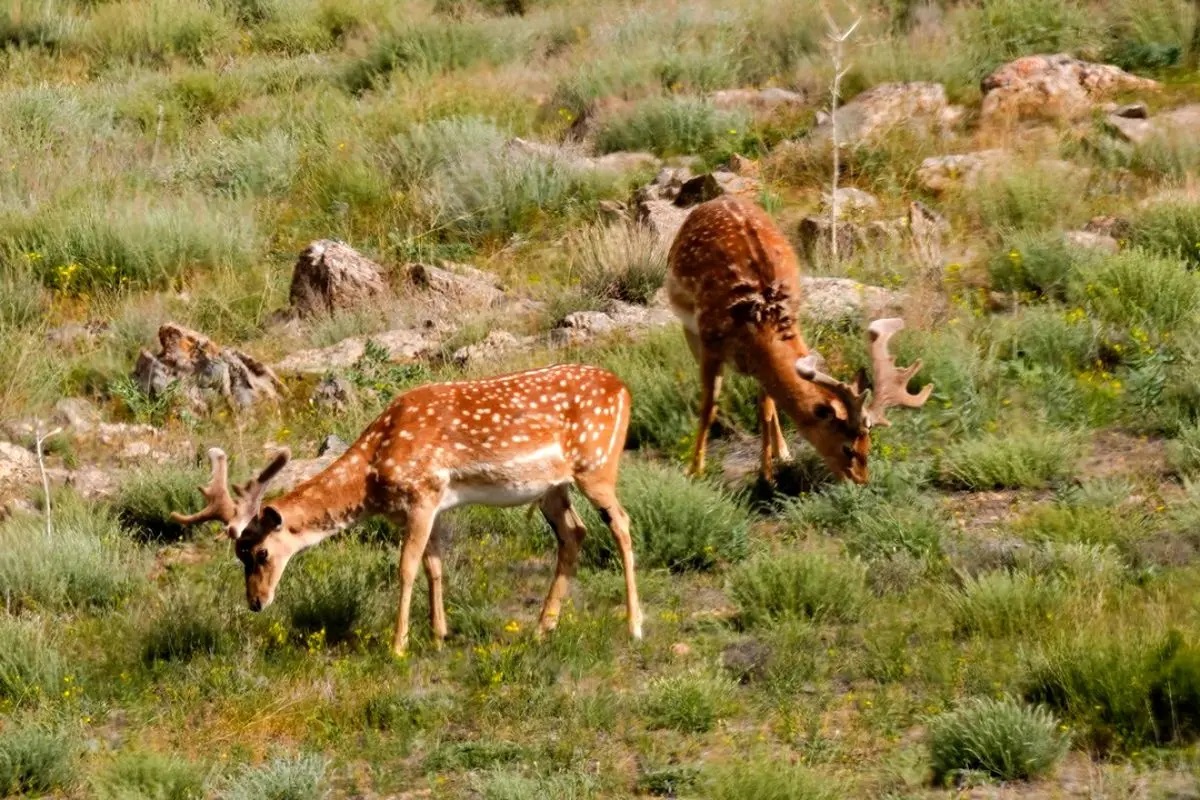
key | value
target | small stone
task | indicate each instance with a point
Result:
(331, 276)
(681, 649)
(1087, 240)
(850, 202)
(746, 660)
(334, 393)
(76, 413)
(332, 445)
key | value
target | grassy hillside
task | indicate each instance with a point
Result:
(1011, 599)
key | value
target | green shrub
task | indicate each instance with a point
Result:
(1171, 229)
(156, 30)
(1183, 452)
(1126, 690)
(620, 262)
(1002, 739)
(30, 667)
(187, 625)
(1140, 291)
(689, 703)
(662, 377)
(1152, 35)
(672, 780)
(1026, 199)
(335, 590)
(246, 166)
(1048, 337)
(675, 522)
(404, 713)
(1015, 460)
(88, 562)
(21, 300)
(673, 126)
(768, 780)
(430, 48)
(997, 31)
(146, 499)
(784, 586)
(150, 776)
(281, 778)
(1090, 566)
(1004, 603)
(476, 755)
(512, 785)
(1038, 262)
(35, 760)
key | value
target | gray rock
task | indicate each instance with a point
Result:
(665, 203)
(886, 107)
(1086, 240)
(1108, 225)
(1183, 121)
(76, 413)
(492, 347)
(583, 326)
(941, 173)
(1056, 86)
(746, 660)
(851, 202)
(574, 157)
(769, 99)
(455, 286)
(204, 370)
(334, 393)
(332, 445)
(331, 276)
(403, 344)
(835, 300)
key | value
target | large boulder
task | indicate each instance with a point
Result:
(915, 106)
(204, 371)
(665, 202)
(330, 276)
(1056, 86)
(1183, 121)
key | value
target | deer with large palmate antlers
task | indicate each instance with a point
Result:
(504, 441)
(734, 282)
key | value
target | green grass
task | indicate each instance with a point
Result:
(334, 592)
(1005, 604)
(690, 703)
(1170, 228)
(30, 667)
(281, 778)
(674, 125)
(151, 776)
(768, 780)
(773, 588)
(620, 262)
(35, 759)
(998, 739)
(1017, 460)
(147, 498)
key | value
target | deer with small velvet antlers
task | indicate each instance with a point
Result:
(505, 441)
(734, 282)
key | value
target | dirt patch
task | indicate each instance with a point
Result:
(1117, 453)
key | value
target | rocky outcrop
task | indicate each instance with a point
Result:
(331, 276)
(1183, 121)
(769, 99)
(204, 371)
(1055, 86)
(665, 203)
(1088, 240)
(835, 300)
(402, 344)
(916, 106)
(573, 157)
(938, 174)
(583, 326)
(453, 287)
(922, 226)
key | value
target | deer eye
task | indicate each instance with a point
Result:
(848, 449)
(261, 557)
(823, 411)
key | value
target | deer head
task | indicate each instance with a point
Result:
(843, 426)
(248, 524)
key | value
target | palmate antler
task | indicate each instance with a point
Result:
(865, 407)
(243, 503)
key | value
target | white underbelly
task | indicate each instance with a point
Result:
(502, 495)
(682, 304)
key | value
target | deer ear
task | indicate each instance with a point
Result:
(271, 519)
(862, 382)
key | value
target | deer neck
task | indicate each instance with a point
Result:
(328, 502)
(773, 364)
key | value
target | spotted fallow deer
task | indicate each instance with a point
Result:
(734, 282)
(504, 441)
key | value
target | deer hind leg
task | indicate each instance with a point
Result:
(600, 489)
(432, 560)
(569, 530)
(416, 539)
(773, 443)
(710, 391)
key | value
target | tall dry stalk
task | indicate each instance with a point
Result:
(837, 43)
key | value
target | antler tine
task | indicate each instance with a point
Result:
(891, 382)
(251, 493)
(221, 505)
(810, 368)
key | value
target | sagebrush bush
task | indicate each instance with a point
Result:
(1048, 337)
(36, 760)
(1000, 739)
(1004, 603)
(1170, 228)
(672, 126)
(784, 586)
(150, 776)
(1026, 199)
(620, 262)
(1183, 452)
(1151, 35)
(335, 590)
(156, 31)
(30, 667)
(88, 561)
(187, 625)
(1138, 291)
(1125, 689)
(768, 779)
(282, 778)
(675, 523)
(1038, 262)
(1015, 460)
(512, 785)
(996, 31)
(146, 499)
(690, 703)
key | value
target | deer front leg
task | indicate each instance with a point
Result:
(569, 530)
(432, 560)
(416, 538)
(710, 390)
(600, 489)
(773, 442)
